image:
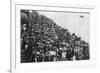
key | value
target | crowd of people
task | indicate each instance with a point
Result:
(42, 40)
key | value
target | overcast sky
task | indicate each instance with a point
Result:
(77, 23)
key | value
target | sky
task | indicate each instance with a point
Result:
(77, 23)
